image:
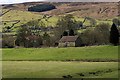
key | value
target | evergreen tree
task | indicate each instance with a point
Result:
(71, 32)
(65, 33)
(114, 35)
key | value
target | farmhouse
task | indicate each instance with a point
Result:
(69, 41)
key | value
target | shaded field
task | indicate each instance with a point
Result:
(57, 69)
(92, 53)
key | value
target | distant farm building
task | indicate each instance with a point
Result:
(69, 41)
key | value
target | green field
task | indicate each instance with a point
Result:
(91, 53)
(59, 62)
(57, 69)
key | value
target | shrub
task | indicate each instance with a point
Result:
(8, 41)
(46, 39)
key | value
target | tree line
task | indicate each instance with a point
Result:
(101, 34)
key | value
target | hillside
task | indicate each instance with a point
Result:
(95, 10)
(14, 15)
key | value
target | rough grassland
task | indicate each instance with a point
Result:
(57, 69)
(26, 16)
(93, 53)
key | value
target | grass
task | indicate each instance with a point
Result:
(25, 16)
(92, 53)
(57, 69)
(47, 62)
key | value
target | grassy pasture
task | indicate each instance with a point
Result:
(25, 16)
(92, 53)
(57, 69)
(47, 62)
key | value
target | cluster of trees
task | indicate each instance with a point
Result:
(27, 36)
(41, 7)
(102, 34)
(96, 36)
(30, 38)
(24, 38)
(66, 26)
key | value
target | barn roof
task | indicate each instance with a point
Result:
(68, 39)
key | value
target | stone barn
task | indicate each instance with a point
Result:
(69, 41)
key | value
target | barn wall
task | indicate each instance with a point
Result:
(61, 44)
(71, 44)
(68, 44)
